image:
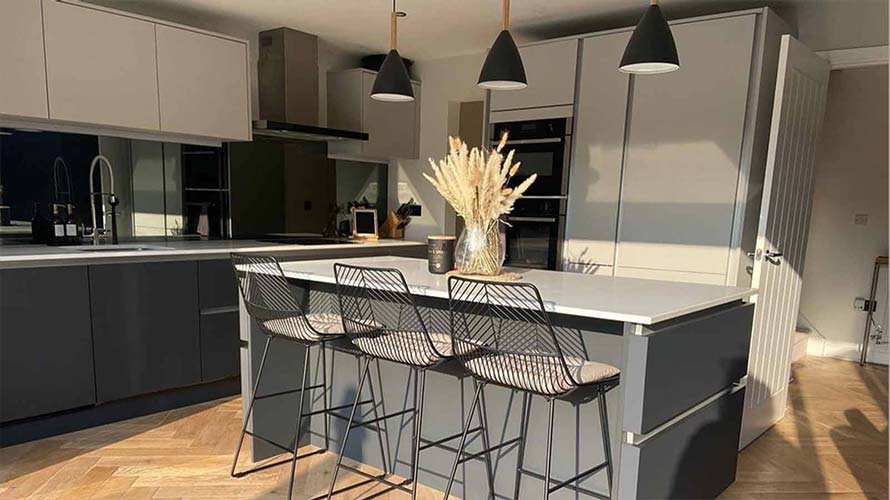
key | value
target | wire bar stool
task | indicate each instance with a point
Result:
(382, 320)
(503, 335)
(271, 302)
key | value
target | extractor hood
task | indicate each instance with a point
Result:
(288, 89)
(294, 131)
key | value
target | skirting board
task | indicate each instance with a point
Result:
(843, 350)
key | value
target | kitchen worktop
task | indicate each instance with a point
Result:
(42, 255)
(630, 300)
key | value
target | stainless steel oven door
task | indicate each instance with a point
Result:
(534, 242)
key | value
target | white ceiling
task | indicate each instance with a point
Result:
(439, 28)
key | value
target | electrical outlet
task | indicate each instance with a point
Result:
(863, 304)
(860, 219)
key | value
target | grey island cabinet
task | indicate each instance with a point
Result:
(675, 418)
(89, 337)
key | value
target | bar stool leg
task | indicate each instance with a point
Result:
(414, 434)
(418, 416)
(358, 395)
(325, 396)
(256, 386)
(604, 428)
(380, 423)
(523, 433)
(293, 465)
(483, 421)
(549, 452)
(463, 440)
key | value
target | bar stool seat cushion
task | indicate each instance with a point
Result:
(296, 326)
(540, 374)
(409, 347)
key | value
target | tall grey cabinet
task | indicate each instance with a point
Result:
(667, 169)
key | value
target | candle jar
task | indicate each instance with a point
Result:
(440, 254)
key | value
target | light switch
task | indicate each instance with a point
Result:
(860, 219)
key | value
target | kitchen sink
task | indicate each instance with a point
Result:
(122, 248)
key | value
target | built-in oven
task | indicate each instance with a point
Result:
(535, 229)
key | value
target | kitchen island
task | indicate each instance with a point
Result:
(675, 418)
(95, 334)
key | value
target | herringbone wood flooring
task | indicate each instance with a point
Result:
(832, 444)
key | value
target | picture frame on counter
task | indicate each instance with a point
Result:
(364, 223)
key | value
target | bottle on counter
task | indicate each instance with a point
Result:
(57, 227)
(73, 229)
(39, 226)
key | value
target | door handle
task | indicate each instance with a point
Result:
(530, 219)
(772, 256)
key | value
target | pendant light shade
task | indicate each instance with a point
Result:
(651, 48)
(393, 83)
(503, 68)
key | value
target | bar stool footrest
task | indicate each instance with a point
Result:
(289, 391)
(380, 478)
(277, 463)
(469, 456)
(567, 482)
(427, 444)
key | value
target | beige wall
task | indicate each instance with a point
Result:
(445, 82)
(851, 178)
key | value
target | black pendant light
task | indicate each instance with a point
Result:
(651, 48)
(503, 69)
(393, 83)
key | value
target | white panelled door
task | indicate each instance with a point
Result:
(799, 104)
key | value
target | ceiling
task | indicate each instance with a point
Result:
(440, 28)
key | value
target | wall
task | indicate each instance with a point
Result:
(445, 81)
(840, 24)
(851, 178)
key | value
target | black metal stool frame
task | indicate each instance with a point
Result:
(522, 303)
(359, 321)
(267, 296)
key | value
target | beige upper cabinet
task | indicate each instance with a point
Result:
(203, 84)
(393, 128)
(23, 78)
(598, 149)
(684, 149)
(550, 71)
(101, 67)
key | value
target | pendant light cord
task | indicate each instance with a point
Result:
(507, 15)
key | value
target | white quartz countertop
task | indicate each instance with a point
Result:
(37, 254)
(603, 297)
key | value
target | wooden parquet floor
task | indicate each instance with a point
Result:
(832, 445)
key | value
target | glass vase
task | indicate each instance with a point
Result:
(479, 250)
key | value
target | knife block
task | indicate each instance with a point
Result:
(390, 228)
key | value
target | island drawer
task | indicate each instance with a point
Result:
(677, 364)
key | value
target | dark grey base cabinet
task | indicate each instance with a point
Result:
(145, 327)
(46, 348)
(218, 301)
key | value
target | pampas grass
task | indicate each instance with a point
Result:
(475, 183)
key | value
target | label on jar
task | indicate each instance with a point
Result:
(59, 230)
(71, 229)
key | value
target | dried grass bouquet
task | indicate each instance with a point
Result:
(475, 183)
